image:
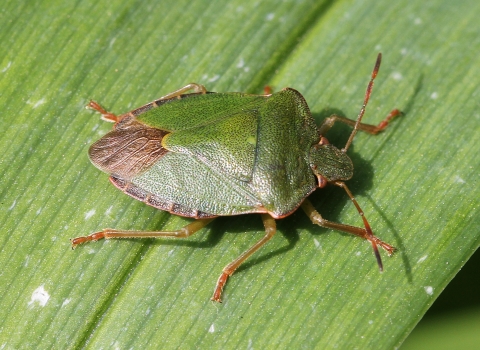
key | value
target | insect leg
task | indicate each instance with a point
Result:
(110, 117)
(365, 233)
(109, 233)
(270, 229)
(357, 124)
(371, 129)
(197, 88)
(107, 116)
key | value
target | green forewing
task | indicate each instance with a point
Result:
(227, 145)
(185, 180)
(233, 153)
(198, 109)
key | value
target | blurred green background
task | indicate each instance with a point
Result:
(453, 321)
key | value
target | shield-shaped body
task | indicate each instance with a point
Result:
(214, 154)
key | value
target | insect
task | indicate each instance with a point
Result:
(203, 155)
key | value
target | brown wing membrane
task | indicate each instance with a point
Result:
(129, 149)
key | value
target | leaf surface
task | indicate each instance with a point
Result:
(308, 287)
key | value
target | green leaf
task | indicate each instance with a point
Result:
(309, 286)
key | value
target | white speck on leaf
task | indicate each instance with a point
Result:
(458, 179)
(89, 214)
(39, 296)
(417, 21)
(66, 301)
(434, 95)
(214, 78)
(37, 104)
(317, 244)
(13, 205)
(429, 290)
(270, 16)
(240, 63)
(211, 329)
(422, 259)
(6, 67)
(397, 76)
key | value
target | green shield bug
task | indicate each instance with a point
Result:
(203, 155)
